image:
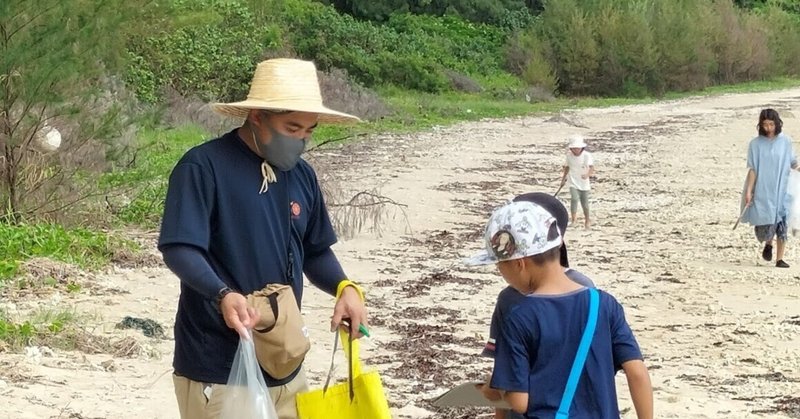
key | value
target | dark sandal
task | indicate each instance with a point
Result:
(781, 264)
(767, 253)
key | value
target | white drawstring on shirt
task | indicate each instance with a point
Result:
(267, 174)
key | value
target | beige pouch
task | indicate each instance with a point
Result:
(280, 336)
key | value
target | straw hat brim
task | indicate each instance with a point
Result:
(242, 109)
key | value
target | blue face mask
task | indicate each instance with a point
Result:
(282, 151)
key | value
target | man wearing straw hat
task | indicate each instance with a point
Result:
(242, 211)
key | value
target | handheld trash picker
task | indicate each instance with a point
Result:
(563, 182)
(738, 220)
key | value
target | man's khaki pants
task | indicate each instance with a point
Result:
(198, 400)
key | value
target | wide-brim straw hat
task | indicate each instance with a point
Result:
(284, 84)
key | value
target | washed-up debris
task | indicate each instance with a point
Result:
(795, 320)
(775, 376)
(789, 406)
(561, 119)
(149, 328)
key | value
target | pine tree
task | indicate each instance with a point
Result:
(55, 60)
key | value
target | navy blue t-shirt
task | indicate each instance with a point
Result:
(213, 203)
(537, 344)
(508, 298)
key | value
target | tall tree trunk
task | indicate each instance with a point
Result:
(11, 207)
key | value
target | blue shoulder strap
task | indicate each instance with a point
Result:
(580, 357)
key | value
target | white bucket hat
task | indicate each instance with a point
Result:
(576, 141)
(284, 84)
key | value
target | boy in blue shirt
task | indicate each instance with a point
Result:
(540, 336)
(509, 297)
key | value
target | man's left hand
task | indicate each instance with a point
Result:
(350, 306)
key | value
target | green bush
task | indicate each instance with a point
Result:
(526, 56)
(575, 53)
(409, 51)
(331, 40)
(514, 20)
(740, 49)
(482, 11)
(413, 72)
(642, 47)
(628, 57)
(682, 38)
(783, 40)
(451, 42)
(211, 53)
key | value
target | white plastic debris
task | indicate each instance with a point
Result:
(33, 354)
(48, 139)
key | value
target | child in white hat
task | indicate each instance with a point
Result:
(578, 169)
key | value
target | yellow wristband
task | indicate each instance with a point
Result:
(348, 283)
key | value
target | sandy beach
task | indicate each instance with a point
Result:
(719, 327)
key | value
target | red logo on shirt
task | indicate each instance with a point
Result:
(295, 209)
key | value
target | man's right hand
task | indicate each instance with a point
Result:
(748, 198)
(237, 314)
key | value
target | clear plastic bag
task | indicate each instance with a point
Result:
(793, 190)
(246, 394)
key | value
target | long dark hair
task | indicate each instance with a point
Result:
(773, 116)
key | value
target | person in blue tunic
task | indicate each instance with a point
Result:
(243, 211)
(770, 158)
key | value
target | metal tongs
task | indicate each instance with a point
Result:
(349, 360)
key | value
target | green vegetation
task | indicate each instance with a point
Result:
(40, 329)
(146, 182)
(85, 248)
(636, 48)
(60, 329)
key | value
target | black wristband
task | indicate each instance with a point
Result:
(221, 294)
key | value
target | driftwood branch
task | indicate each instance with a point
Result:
(363, 210)
(377, 200)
